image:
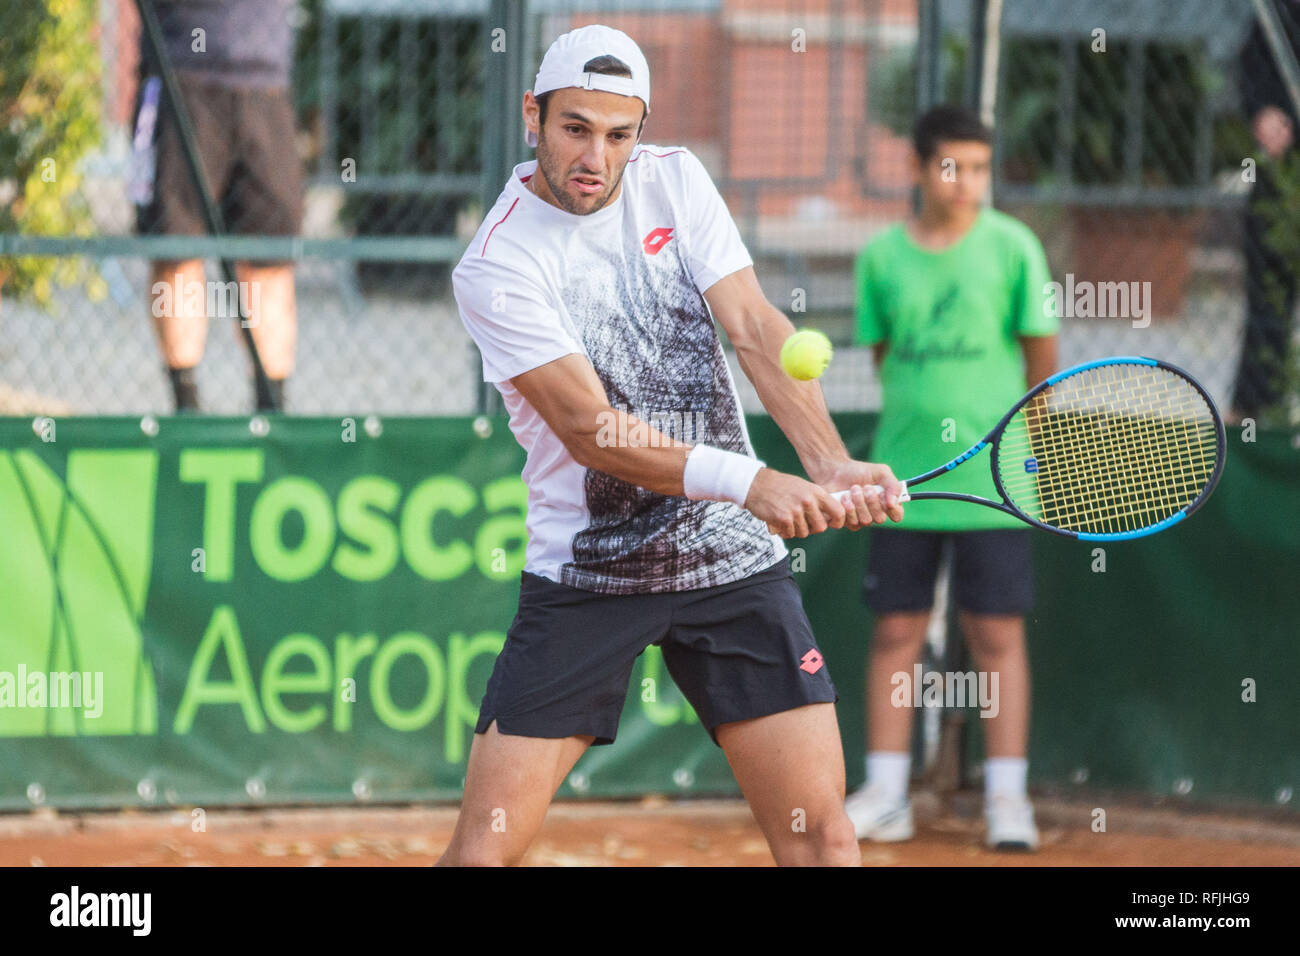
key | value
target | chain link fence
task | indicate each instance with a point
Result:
(1127, 137)
(1150, 145)
(341, 143)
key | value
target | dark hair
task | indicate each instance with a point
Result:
(948, 124)
(604, 65)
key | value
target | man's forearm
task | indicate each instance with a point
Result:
(798, 408)
(626, 447)
(571, 400)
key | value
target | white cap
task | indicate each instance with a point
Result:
(563, 63)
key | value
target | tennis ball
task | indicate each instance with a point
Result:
(806, 354)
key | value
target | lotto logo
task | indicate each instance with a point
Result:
(656, 240)
(812, 662)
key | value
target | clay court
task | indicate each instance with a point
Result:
(648, 832)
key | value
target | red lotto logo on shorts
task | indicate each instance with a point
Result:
(812, 662)
(656, 240)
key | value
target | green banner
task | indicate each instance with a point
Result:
(195, 613)
(205, 615)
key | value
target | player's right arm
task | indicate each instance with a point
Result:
(570, 398)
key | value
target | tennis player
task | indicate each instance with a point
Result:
(591, 289)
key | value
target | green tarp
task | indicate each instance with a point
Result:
(209, 616)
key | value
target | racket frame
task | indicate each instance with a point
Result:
(995, 434)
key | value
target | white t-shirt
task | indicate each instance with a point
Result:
(622, 286)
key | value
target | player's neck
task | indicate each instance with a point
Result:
(937, 228)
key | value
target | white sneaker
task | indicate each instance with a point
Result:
(879, 817)
(1010, 822)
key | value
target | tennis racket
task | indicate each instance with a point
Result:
(1111, 449)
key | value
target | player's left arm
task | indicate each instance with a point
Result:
(757, 330)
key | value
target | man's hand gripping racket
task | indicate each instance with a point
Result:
(1110, 449)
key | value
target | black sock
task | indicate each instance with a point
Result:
(270, 394)
(185, 389)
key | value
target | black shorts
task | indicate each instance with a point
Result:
(246, 144)
(992, 571)
(736, 651)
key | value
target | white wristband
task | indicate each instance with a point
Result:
(712, 474)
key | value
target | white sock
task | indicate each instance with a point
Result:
(1005, 777)
(890, 772)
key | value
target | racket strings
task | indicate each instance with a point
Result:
(1143, 450)
(1139, 451)
(1149, 458)
(1111, 449)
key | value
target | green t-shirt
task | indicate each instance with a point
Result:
(954, 366)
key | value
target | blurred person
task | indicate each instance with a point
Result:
(232, 60)
(953, 301)
(591, 290)
(1270, 273)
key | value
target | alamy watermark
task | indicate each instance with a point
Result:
(55, 689)
(132, 911)
(648, 429)
(1085, 299)
(216, 300)
(923, 688)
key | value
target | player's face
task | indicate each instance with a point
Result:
(956, 177)
(584, 147)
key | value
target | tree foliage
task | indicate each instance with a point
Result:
(50, 102)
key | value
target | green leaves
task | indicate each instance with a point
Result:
(49, 121)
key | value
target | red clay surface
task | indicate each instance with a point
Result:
(651, 832)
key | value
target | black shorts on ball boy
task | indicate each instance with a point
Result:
(737, 651)
(992, 570)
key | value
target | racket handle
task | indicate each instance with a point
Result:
(843, 496)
